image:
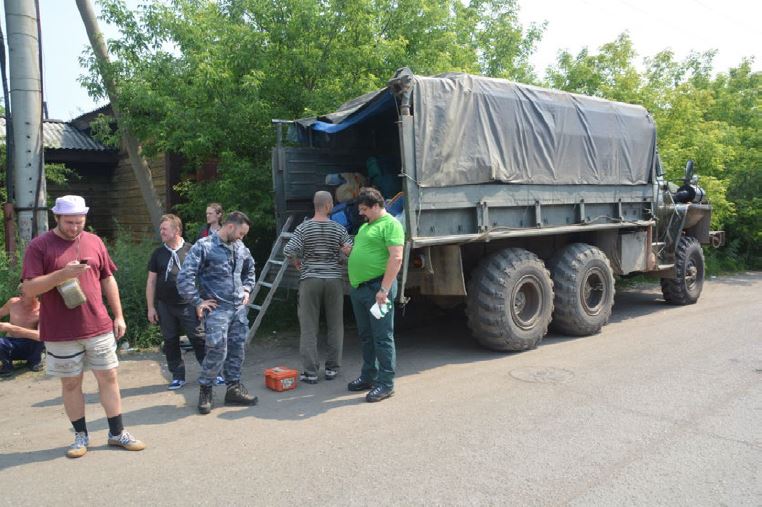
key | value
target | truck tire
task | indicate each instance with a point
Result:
(584, 286)
(685, 288)
(510, 301)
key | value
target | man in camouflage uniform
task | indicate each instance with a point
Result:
(218, 276)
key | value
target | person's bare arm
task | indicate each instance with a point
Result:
(33, 287)
(153, 318)
(111, 291)
(393, 266)
(15, 331)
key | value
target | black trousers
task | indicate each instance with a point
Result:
(172, 319)
(20, 349)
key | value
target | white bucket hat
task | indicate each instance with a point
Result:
(70, 205)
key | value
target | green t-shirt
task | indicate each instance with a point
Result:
(370, 252)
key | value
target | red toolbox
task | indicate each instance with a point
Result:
(280, 378)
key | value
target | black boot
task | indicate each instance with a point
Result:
(205, 397)
(238, 395)
(359, 384)
(379, 393)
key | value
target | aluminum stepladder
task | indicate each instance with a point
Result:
(278, 261)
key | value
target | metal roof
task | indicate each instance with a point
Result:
(60, 135)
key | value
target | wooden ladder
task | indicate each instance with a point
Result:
(277, 261)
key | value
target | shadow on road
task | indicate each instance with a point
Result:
(427, 338)
(14, 459)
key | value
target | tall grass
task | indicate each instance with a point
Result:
(727, 259)
(131, 258)
(10, 276)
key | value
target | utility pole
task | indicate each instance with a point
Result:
(26, 98)
(139, 165)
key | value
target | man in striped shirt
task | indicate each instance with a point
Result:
(314, 249)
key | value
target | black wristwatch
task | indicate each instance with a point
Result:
(385, 291)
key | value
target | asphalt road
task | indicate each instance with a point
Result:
(661, 408)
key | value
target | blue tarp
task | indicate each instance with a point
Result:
(381, 103)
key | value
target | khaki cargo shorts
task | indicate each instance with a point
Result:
(67, 359)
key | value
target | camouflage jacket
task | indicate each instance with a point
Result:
(216, 270)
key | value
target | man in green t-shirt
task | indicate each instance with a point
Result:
(374, 261)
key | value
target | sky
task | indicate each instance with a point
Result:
(731, 27)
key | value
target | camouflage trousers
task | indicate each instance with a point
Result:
(226, 329)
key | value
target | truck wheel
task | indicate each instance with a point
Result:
(685, 288)
(510, 301)
(584, 285)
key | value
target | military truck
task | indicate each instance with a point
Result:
(520, 201)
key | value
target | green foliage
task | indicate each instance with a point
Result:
(131, 260)
(237, 179)
(10, 276)
(102, 128)
(727, 260)
(610, 74)
(714, 121)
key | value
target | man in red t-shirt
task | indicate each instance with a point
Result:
(71, 270)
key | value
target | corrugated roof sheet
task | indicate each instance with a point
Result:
(60, 135)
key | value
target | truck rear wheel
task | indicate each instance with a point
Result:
(510, 301)
(584, 286)
(685, 288)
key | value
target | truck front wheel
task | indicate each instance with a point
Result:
(584, 285)
(510, 301)
(685, 288)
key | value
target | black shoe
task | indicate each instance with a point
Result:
(359, 384)
(205, 397)
(308, 378)
(6, 370)
(379, 393)
(238, 395)
(36, 367)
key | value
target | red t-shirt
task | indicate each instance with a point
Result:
(49, 252)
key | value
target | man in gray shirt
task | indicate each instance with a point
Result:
(315, 249)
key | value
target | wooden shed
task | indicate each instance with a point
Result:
(112, 184)
(104, 176)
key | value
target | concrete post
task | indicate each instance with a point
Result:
(26, 102)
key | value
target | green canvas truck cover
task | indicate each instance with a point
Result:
(473, 130)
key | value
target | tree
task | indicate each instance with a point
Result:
(714, 121)
(611, 73)
(738, 104)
